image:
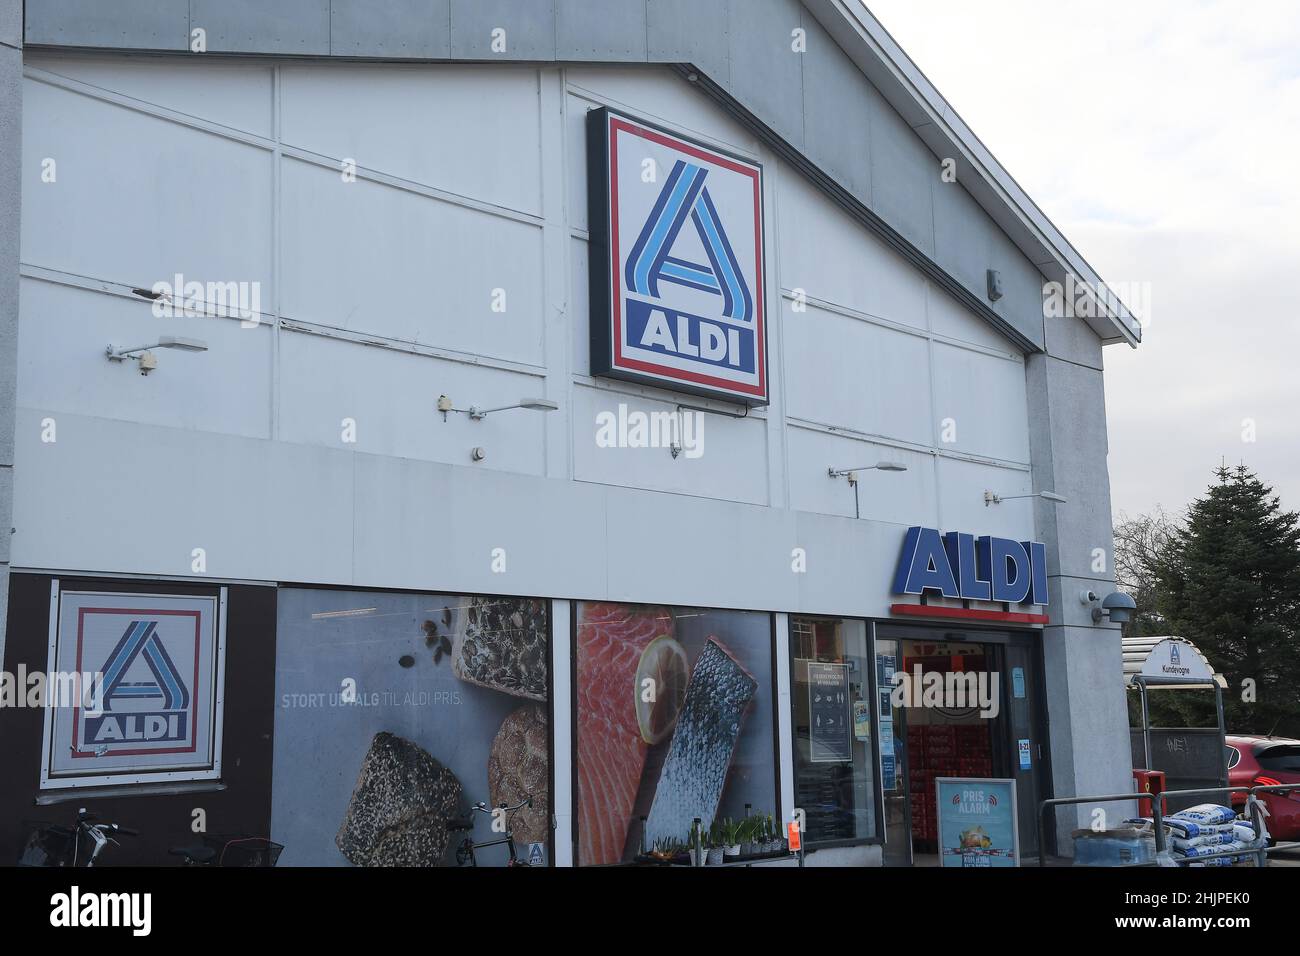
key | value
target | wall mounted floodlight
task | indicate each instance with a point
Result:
(1117, 606)
(878, 466)
(993, 498)
(478, 414)
(852, 475)
(146, 359)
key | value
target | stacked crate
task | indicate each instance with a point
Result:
(941, 750)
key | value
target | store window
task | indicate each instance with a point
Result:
(674, 721)
(396, 713)
(830, 702)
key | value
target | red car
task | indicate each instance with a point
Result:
(1264, 761)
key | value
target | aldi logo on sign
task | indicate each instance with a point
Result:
(676, 249)
(963, 567)
(158, 662)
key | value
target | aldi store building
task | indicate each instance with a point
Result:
(602, 401)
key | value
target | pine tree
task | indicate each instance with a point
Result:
(1229, 581)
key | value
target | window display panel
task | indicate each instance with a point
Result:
(396, 713)
(674, 721)
(830, 700)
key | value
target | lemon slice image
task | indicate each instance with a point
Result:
(660, 688)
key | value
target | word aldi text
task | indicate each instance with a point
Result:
(958, 565)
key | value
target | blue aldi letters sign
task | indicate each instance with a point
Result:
(958, 565)
(676, 260)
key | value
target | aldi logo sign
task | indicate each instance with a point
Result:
(676, 258)
(157, 708)
(960, 566)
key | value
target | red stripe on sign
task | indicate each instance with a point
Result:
(966, 613)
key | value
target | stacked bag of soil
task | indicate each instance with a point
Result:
(1195, 833)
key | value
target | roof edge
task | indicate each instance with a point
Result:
(919, 102)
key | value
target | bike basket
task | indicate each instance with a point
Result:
(47, 844)
(244, 851)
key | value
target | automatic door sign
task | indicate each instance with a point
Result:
(676, 260)
(156, 661)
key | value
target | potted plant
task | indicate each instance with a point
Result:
(748, 836)
(772, 838)
(666, 849)
(730, 839)
(714, 857)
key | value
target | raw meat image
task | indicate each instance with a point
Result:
(708, 728)
(612, 641)
(672, 723)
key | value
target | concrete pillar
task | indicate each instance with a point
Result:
(1082, 660)
(11, 121)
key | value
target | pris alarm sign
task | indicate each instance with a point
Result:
(676, 261)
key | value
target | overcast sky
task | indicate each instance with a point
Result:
(1163, 139)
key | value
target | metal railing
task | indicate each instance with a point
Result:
(1253, 807)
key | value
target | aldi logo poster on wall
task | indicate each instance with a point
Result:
(155, 662)
(676, 258)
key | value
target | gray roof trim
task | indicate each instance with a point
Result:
(911, 93)
(859, 210)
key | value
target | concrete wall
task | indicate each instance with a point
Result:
(11, 111)
(1082, 660)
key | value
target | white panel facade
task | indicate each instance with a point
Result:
(455, 264)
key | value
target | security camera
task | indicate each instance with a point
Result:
(148, 362)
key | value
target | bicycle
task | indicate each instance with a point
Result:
(465, 855)
(229, 851)
(50, 844)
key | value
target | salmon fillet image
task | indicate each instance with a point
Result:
(704, 741)
(611, 749)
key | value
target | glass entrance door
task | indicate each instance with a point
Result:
(1000, 734)
(1025, 731)
(892, 722)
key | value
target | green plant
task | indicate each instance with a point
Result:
(668, 846)
(716, 836)
(730, 832)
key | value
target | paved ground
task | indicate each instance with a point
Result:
(1284, 858)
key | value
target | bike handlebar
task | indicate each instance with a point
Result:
(527, 801)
